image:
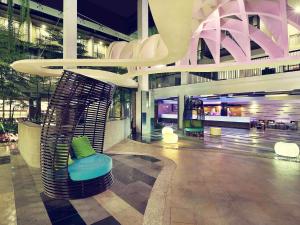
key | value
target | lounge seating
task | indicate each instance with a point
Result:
(193, 128)
(87, 164)
(193, 117)
(77, 110)
(90, 167)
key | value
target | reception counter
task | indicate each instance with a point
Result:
(228, 121)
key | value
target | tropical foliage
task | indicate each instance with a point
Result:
(17, 89)
(12, 84)
(121, 104)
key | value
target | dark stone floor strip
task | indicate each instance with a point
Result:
(61, 211)
(107, 221)
(4, 159)
(133, 174)
(144, 157)
(134, 187)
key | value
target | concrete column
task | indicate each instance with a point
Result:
(143, 15)
(26, 31)
(180, 110)
(142, 80)
(90, 47)
(138, 111)
(70, 29)
(184, 78)
(143, 32)
(30, 35)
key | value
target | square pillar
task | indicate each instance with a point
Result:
(70, 29)
(143, 81)
(184, 78)
(180, 111)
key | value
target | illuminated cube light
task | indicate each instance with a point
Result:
(215, 131)
(168, 135)
(286, 149)
(170, 138)
(167, 130)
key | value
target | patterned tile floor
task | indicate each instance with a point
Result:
(226, 187)
(205, 188)
(23, 202)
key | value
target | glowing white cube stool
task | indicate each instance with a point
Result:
(167, 130)
(215, 131)
(286, 149)
(168, 136)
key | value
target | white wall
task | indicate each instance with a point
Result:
(115, 132)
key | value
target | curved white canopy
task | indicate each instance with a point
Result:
(176, 21)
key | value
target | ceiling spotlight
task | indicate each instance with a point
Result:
(297, 9)
(43, 26)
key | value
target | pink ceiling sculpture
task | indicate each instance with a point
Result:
(228, 27)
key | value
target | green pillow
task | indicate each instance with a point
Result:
(82, 147)
(70, 161)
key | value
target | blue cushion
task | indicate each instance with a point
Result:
(90, 167)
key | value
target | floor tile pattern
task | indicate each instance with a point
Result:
(107, 221)
(22, 200)
(4, 159)
(226, 187)
(206, 188)
(61, 211)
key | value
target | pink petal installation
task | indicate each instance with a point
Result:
(232, 16)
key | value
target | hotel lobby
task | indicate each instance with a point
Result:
(150, 112)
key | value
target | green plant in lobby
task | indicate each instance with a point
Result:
(121, 103)
(25, 22)
(12, 83)
(14, 88)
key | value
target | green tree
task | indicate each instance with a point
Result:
(11, 82)
(25, 23)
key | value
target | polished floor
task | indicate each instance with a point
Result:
(22, 200)
(258, 142)
(227, 188)
(229, 180)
